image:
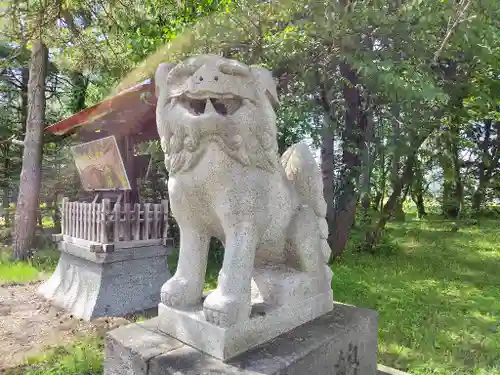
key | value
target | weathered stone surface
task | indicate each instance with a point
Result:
(342, 342)
(90, 285)
(129, 348)
(217, 126)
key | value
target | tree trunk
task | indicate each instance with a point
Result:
(327, 169)
(489, 162)
(376, 201)
(398, 213)
(373, 237)
(366, 166)
(352, 142)
(25, 74)
(30, 179)
(6, 206)
(7, 184)
(417, 190)
(383, 179)
(78, 91)
(452, 185)
(419, 201)
(39, 216)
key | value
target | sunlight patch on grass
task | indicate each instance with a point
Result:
(85, 357)
(17, 273)
(42, 263)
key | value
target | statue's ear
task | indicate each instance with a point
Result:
(266, 83)
(161, 76)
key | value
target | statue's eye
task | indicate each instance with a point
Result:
(181, 73)
(233, 68)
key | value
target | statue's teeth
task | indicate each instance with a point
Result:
(209, 107)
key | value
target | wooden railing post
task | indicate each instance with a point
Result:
(164, 203)
(79, 219)
(117, 222)
(147, 221)
(105, 211)
(126, 222)
(72, 218)
(156, 216)
(64, 216)
(137, 222)
(92, 221)
(84, 219)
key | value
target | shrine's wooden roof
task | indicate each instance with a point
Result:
(130, 112)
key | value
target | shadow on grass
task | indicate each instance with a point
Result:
(438, 296)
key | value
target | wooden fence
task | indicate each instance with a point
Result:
(102, 223)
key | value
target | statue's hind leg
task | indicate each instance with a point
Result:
(305, 245)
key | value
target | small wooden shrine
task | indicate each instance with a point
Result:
(112, 216)
(113, 247)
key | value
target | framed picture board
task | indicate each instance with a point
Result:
(100, 165)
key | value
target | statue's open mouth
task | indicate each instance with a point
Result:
(222, 104)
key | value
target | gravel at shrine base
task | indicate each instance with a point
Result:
(28, 324)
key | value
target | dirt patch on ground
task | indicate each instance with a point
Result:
(28, 324)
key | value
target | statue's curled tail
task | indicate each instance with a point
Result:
(301, 168)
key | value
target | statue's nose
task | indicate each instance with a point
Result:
(207, 73)
(201, 78)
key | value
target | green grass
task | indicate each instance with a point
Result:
(213, 267)
(437, 293)
(81, 358)
(43, 262)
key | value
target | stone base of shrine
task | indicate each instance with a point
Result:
(93, 284)
(343, 341)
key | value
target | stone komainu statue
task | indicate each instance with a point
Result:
(217, 126)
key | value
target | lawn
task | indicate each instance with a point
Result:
(437, 293)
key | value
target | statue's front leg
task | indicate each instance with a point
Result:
(185, 288)
(230, 302)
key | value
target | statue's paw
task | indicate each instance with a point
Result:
(223, 311)
(179, 292)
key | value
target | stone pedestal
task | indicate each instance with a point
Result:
(90, 284)
(282, 299)
(342, 342)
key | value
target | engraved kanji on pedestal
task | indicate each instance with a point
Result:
(348, 364)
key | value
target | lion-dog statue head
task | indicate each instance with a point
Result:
(210, 98)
